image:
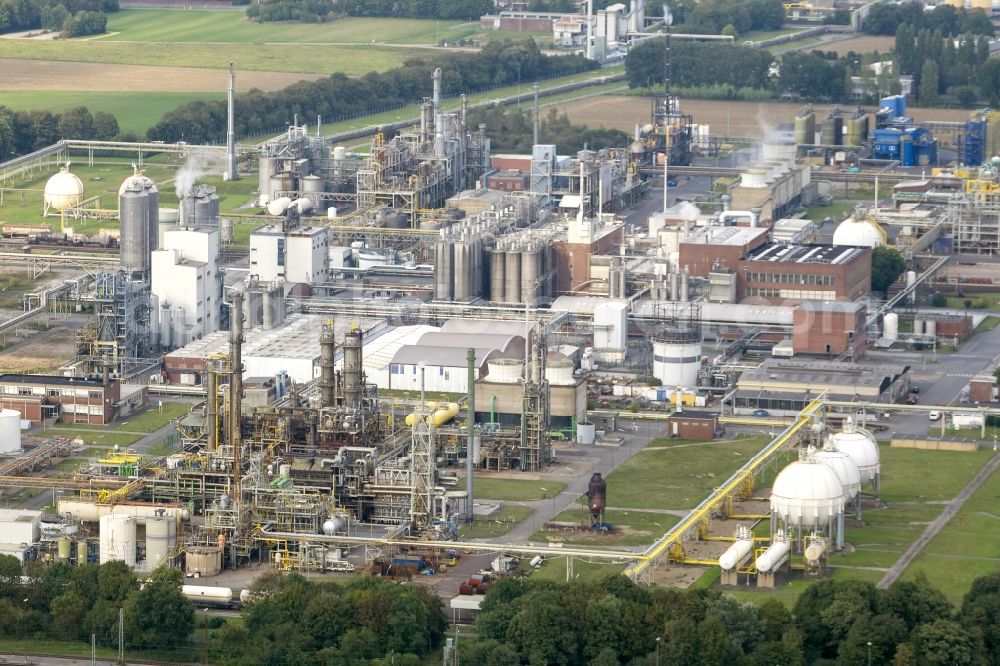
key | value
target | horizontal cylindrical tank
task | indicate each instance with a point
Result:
(736, 555)
(214, 595)
(772, 558)
(440, 415)
(815, 550)
(10, 431)
(279, 206)
(118, 539)
(303, 205)
(92, 513)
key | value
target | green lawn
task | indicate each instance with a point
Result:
(989, 300)
(987, 324)
(629, 528)
(554, 569)
(966, 548)
(677, 475)
(837, 211)
(154, 418)
(514, 489)
(135, 111)
(501, 522)
(95, 437)
(353, 60)
(232, 27)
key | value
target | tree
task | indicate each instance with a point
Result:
(980, 613)
(8, 142)
(159, 615)
(944, 643)
(10, 574)
(929, 82)
(76, 123)
(914, 602)
(105, 126)
(887, 266)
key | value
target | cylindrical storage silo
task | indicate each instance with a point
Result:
(226, 233)
(806, 496)
(118, 539)
(463, 271)
(10, 431)
(64, 549)
(82, 553)
(339, 152)
(531, 260)
(512, 273)
(677, 357)
(281, 184)
(805, 128)
(890, 327)
(444, 269)
(161, 539)
(265, 169)
(586, 433)
(931, 328)
(313, 188)
(498, 267)
(134, 237)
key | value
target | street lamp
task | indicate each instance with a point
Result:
(869, 653)
(24, 626)
(657, 651)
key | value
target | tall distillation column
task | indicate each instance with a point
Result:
(353, 376)
(236, 393)
(327, 354)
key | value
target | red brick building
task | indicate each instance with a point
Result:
(702, 426)
(983, 388)
(70, 399)
(789, 274)
(830, 328)
(508, 181)
(724, 246)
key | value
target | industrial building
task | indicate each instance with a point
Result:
(94, 401)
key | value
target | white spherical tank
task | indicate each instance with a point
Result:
(677, 358)
(505, 370)
(63, 190)
(10, 431)
(560, 373)
(857, 233)
(845, 469)
(807, 495)
(118, 539)
(861, 448)
(161, 539)
(334, 524)
(890, 328)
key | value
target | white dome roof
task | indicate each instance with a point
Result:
(845, 469)
(807, 494)
(139, 181)
(63, 190)
(857, 233)
(861, 449)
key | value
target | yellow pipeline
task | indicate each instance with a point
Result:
(441, 415)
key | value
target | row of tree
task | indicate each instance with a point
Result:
(885, 18)
(737, 17)
(499, 63)
(511, 130)
(698, 63)
(69, 16)
(952, 62)
(22, 132)
(303, 11)
(847, 622)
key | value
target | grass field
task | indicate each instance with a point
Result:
(498, 524)
(154, 417)
(629, 528)
(989, 300)
(987, 324)
(554, 569)
(135, 111)
(228, 27)
(95, 437)
(521, 490)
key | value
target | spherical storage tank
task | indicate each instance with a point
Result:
(118, 539)
(844, 467)
(857, 233)
(861, 448)
(807, 495)
(10, 431)
(63, 190)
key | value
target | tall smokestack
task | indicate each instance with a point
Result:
(470, 443)
(437, 98)
(232, 168)
(590, 22)
(535, 125)
(233, 434)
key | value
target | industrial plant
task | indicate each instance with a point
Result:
(369, 330)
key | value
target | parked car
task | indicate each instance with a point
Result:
(934, 415)
(671, 182)
(911, 399)
(761, 412)
(914, 389)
